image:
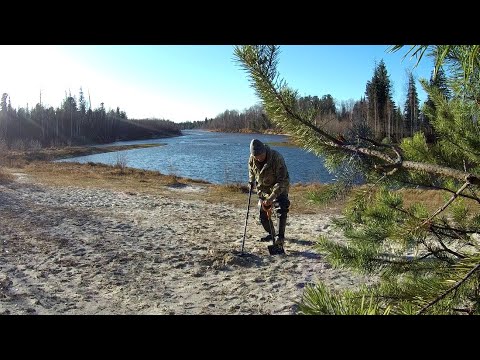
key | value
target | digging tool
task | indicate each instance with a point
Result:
(273, 249)
(246, 218)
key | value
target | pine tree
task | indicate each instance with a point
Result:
(82, 103)
(427, 262)
(412, 113)
(438, 81)
(3, 117)
(378, 92)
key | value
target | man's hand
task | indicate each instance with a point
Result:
(267, 207)
(250, 185)
(267, 203)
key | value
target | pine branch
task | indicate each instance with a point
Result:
(442, 244)
(468, 311)
(444, 206)
(474, 194)
(423, 257)
(402, 210)
(393, 166)
(404, 261)
(332, 140)
(433, 302)
(462, 148)
(457, 232)
(432, 250)
(442, 170)
(416, 50)
(266, 74)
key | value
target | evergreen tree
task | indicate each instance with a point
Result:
(426, 262)
(3, 103)
(438, 81)
(378, 93)
(412, 114)
(327, 105)
(82, 103)
(398, 124)
(3, 117)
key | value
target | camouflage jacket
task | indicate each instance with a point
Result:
(271, 176)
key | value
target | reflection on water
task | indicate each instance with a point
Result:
(214, 157)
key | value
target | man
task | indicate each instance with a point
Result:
(267, 169)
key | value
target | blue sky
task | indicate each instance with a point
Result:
(189, 82)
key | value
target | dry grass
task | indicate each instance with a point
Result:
(152, 182)
(433, 199)
(237, 195)
(102, 176)
(430, 198)
(5, 176)
(19, 159)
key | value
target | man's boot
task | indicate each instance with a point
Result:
(281, 225)
(266, 238)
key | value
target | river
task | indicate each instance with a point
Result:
(218, 158)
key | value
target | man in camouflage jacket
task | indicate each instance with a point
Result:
(268, 172)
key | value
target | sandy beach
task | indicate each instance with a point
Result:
(75, 250)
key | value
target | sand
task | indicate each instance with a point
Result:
(80, 251)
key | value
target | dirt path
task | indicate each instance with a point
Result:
(66, 250)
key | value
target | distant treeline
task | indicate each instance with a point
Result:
(74, 123)
(375, 114)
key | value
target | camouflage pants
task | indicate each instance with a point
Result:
(281, 205)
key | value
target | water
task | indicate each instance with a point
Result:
(218, 158)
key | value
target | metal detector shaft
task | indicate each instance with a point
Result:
(246, 217)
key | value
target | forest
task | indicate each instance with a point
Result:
(73, 123)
